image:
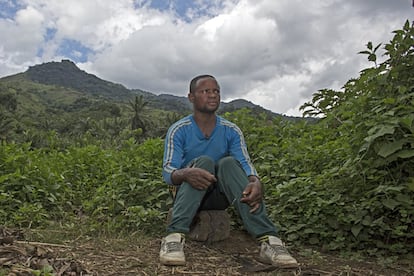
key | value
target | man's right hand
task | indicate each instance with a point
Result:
(198, 178)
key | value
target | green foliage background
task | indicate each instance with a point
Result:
(344, 182)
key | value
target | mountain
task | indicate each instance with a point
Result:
(57, 98)
(65, 74)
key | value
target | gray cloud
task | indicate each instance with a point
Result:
(274, 53)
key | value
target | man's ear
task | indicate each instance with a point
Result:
(191, 97)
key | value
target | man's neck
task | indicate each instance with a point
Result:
(204, 119)
(206, 122)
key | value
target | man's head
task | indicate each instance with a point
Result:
(193, 82)
(204, 94)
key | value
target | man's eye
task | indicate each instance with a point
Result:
(208, 91)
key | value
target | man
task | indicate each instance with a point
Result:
(206, 160)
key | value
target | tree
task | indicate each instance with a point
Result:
(6, 125)
(8, 101)
(138, 107)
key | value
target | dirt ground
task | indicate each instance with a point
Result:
(137, 255)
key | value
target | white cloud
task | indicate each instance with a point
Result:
(22, 36)
(273, 53)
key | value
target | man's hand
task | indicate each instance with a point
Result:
(252, 194)
(198, 178)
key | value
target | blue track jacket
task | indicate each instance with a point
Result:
(185, 142)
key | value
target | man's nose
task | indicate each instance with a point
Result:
(212, 93)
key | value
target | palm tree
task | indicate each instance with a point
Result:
(138, 106)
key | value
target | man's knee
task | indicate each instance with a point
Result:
(204, 162)
(228, 162)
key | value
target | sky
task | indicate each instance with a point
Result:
(274, 53)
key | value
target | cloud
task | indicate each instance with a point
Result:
(21, 37)
(273, 53)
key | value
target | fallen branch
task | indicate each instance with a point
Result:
(43, 244)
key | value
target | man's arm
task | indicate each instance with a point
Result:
(238, 149)
(253, 193)
(198, 178)
(173, 154)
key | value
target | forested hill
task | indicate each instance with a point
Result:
(59, 97)
(67, 75)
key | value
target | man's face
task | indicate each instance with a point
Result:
(206, 97)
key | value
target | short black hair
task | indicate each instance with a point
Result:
(193, 82)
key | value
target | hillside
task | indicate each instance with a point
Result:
(58, 97)
(65, 75)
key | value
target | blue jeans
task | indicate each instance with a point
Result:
(231, 181)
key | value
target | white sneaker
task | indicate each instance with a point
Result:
(275, 253)
(172, 250)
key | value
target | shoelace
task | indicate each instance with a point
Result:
(173, 246)
(278, 249)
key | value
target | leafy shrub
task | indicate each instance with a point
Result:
(372, 183)
(100, 184)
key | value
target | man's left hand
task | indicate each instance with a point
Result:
(252, 194)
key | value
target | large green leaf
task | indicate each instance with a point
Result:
(356, 229)
(379, 131)
(390, 203)
(390, 148)
(403, 154)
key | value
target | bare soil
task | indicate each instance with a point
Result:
(138, 255)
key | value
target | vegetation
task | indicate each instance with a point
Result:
(343, 183)
(66, 74)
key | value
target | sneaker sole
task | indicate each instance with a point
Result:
(286, 265)
(172, 262)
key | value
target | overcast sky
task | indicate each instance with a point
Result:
(275, 53)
